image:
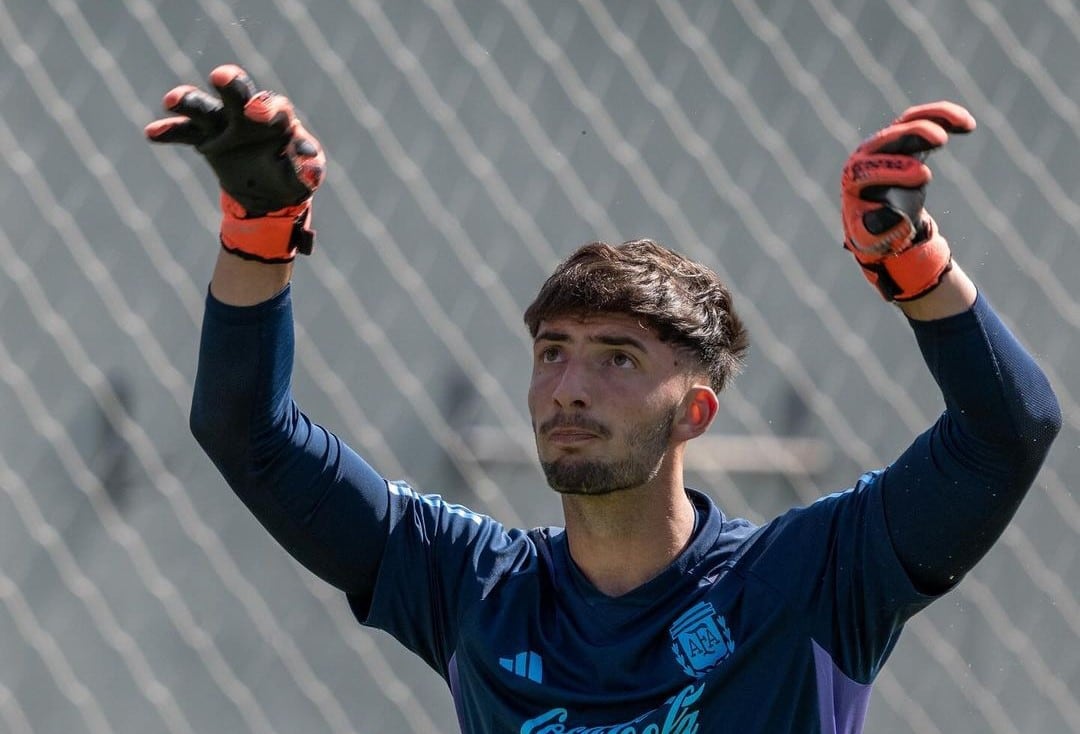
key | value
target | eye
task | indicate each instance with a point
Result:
(549, 355)
(621, 360)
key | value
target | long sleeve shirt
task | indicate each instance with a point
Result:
(777, 628)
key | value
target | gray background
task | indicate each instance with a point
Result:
(473, 145)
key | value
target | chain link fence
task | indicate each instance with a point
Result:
(472, 145)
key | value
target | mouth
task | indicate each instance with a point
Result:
(570, 429)
(570, 436)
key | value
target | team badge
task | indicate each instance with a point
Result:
(700, 639)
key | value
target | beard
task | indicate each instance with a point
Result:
(646, 447)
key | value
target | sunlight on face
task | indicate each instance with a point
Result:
(603, 399)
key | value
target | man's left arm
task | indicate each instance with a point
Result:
(949, 497)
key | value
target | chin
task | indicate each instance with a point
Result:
(589, 477)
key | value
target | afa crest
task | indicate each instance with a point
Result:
(700, 639)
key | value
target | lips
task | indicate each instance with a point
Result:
(572, 425)
(569, 432)
(570, 435)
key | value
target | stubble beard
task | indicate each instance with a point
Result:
(646, 446)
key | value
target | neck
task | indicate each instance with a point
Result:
(626, 538)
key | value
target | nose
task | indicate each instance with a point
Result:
(571, 387)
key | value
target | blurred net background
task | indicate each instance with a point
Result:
(472, 145)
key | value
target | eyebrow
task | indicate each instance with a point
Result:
(610, 340)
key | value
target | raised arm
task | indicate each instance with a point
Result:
(948, 497)
(320, 500)
(410, 563)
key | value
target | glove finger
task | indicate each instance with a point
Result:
(864, 172)
(175, 130)
(913, 137)
(307, 156)
(235, 87)
(879, 221)
(270, 109)
(906, 202)
(191, 102)
(949, 115)
(875, 230)
(900, 204)
(203, 110)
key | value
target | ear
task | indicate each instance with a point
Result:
(699, 409)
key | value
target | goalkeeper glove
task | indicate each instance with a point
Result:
(883, 189)
(267, 164)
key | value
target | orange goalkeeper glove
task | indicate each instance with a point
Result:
(883, 189)
(267, 164)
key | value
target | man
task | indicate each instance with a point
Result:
(651, 611)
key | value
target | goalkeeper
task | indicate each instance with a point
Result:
(650, 611)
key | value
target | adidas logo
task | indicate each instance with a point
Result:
(526, 664)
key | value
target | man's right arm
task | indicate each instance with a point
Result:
(320, 500)
(316, 496)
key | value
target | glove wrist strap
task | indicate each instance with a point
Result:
(912, 272)
(274, 237)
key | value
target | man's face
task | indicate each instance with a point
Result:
(603, 398)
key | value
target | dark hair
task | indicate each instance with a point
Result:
(684, 302)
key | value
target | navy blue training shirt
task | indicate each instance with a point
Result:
(778, 628)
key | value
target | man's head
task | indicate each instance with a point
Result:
(631, 345)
